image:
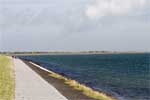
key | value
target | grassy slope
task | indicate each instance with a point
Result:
(80, 87)
(86, 90)
(6, 79)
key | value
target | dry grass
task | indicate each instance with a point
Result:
(7, 84)
(80, 87)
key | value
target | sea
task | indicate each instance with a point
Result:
(124, 76)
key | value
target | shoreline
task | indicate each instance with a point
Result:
(66, 53)
(71, 89)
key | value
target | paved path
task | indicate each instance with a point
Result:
(30, 86)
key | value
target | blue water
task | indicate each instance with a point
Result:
(125, 76)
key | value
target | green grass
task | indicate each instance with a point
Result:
(7, 84)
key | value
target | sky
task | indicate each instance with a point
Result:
(74, 25)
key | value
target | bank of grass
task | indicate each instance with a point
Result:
(7, 84)
(80, 87)
(86, 90)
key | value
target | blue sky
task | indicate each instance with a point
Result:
(74, 25)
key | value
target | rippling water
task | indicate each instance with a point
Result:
(125, 76)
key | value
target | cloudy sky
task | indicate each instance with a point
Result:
(74, 25)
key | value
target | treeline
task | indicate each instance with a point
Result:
(56, 52)
(21, 52)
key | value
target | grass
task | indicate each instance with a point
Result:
(7, 84)
(80, 87)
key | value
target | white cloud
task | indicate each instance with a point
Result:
(113, 7)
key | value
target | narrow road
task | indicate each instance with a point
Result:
(30, 86)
